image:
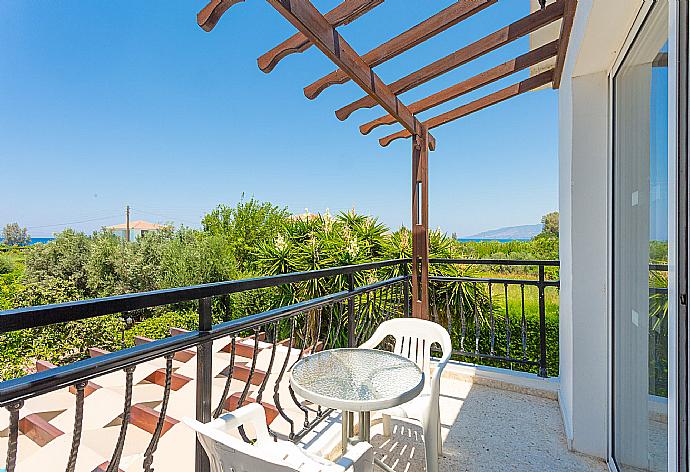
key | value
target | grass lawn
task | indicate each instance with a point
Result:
(515, 312)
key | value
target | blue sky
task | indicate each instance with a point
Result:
(104, 104)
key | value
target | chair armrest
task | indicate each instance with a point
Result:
(438, 372)
(358, 458)
(247, 414)
(252, 414)
(374, 340)
(443, 361)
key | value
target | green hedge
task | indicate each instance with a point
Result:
(500, 341)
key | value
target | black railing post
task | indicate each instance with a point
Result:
(542, 324)
(406, 291)
(204, 359)
(350, 312)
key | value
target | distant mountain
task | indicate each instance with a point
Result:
(510, 232)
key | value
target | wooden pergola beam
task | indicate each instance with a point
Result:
(441, 21)
(484, 102)
(306, 18)
(508, 34)
(522, 62)
(564, 39)
(208, 17)
(343, 14)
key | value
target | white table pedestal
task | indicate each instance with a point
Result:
(361, 380)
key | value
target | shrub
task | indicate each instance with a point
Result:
(6, 264)
(61, 343)
(245, 226)
(64, 258)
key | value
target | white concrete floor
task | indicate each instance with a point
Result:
(488, 429)
(485, 427)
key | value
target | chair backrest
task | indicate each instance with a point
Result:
(230, 454)
(413, 339)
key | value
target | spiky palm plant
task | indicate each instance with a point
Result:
(314, 242)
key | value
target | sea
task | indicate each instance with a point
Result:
(41, 240)
(479, 240)
(36, 241)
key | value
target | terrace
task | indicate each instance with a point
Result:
(120, 410)
(520, 392)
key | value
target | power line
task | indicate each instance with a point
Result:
(100, 218)
(73, 222)
(167, 217)
(168, 209)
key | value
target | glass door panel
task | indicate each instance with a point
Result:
(640, 250)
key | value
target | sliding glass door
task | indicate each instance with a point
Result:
(640, 250)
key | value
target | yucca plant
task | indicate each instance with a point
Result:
(444, 298)
(313, 242)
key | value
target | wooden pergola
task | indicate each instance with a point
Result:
(320, 30)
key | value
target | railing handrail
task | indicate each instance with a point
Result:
(42, 315)
(527, 262)
(495, 280)
(39, 383)
(509, 262)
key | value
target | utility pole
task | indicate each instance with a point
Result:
(127, 223)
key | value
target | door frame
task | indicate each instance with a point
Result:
(679, 246)
(678, 206)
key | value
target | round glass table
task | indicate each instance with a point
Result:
(361, 380)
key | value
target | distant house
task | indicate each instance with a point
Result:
(306, 216)
(136, 229)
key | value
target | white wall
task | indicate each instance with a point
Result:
(584, 296)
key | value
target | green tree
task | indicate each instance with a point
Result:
(192, 257)
(245, 226)
(13, 235)
(106, 271)
(63, 258)
(550, 222)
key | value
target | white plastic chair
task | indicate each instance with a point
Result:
(413, 339)
(231, 454)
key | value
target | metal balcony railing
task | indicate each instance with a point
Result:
(374, 292)
(489, 317)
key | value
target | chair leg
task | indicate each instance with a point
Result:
(387, 430)
(440, 438)
(431, 439)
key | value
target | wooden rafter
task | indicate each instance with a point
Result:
(509, 92)
(522, 62)
(208, 17)
(518, 29)
(343, 14)
(306, 18)
(564, 39)
(441, 21)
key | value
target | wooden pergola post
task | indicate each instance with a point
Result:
(420, 225)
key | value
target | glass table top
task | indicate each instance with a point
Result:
(357, 379)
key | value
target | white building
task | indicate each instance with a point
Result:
(624, 190)
(136, 229)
